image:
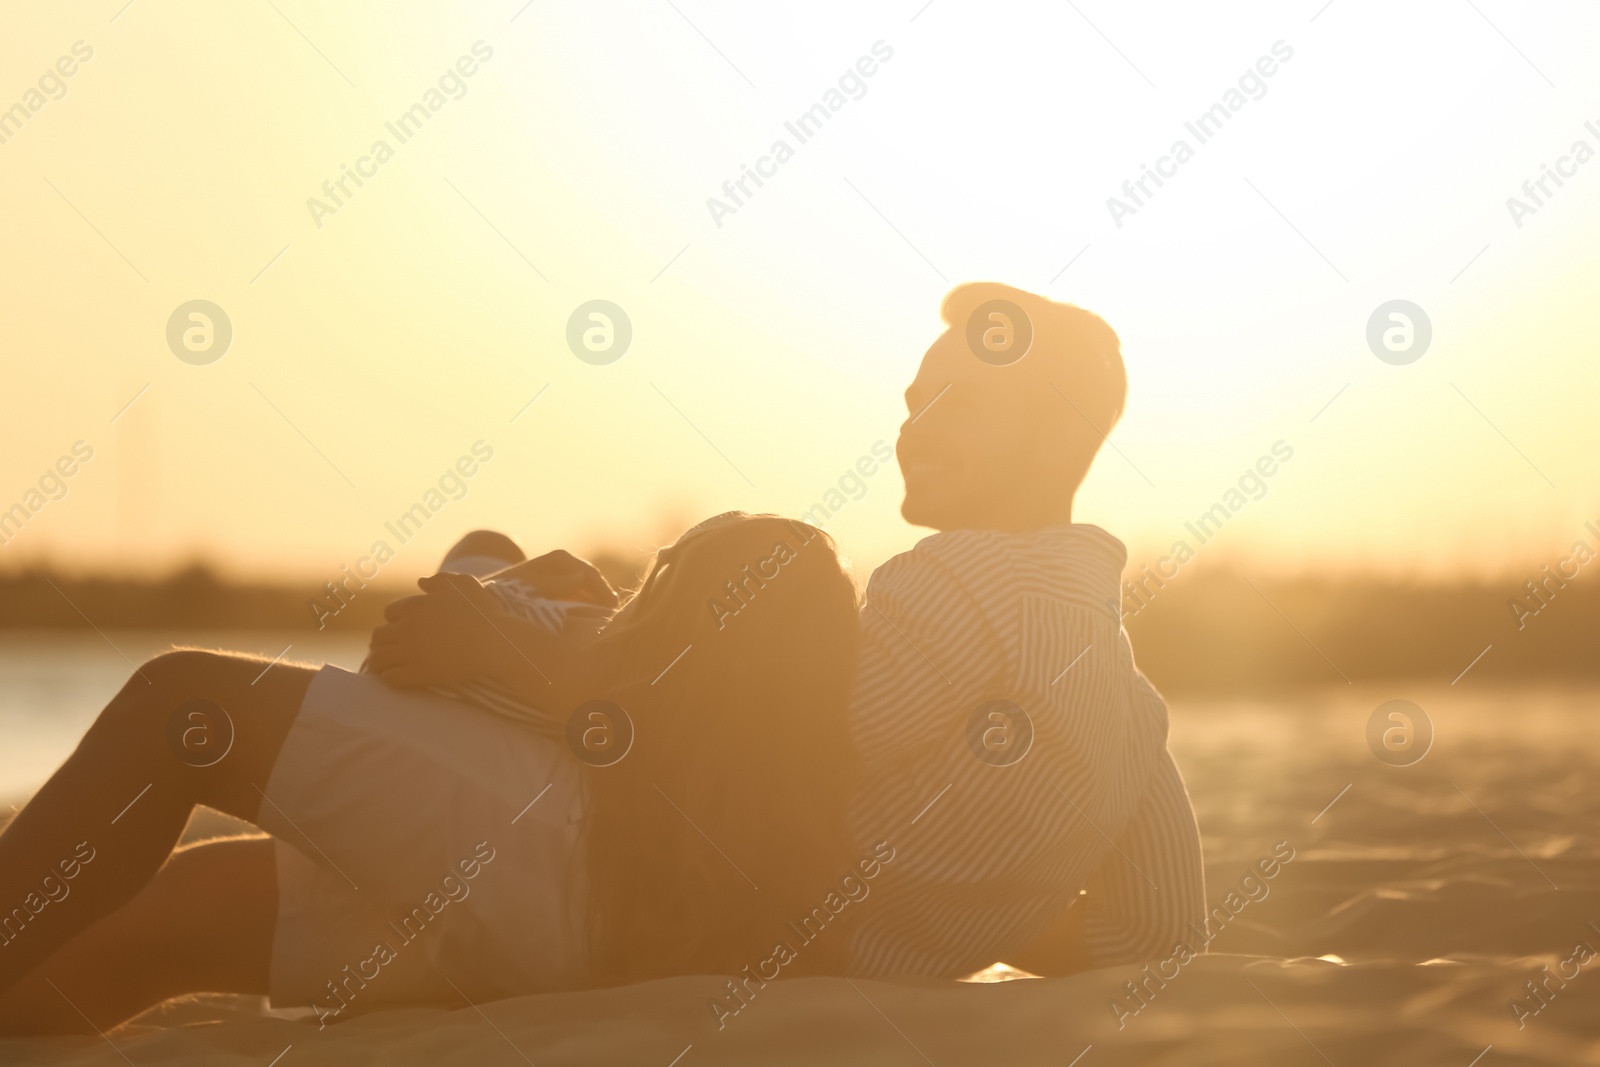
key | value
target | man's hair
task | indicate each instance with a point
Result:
(1074, 352)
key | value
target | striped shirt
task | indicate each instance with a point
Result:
(1013, 755)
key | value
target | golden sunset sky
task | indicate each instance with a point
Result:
(374, 345)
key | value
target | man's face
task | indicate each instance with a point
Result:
(964, 448)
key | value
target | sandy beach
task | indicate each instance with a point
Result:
(1432, 893)
(1225, 1010)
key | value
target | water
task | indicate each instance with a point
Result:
(54, 683)
(1243, 758)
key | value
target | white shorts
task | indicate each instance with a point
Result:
(426, 850)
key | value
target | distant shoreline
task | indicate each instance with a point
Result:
(1210, 631)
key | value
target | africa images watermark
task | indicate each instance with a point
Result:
(1538, 191)
(852, 485)
(1538, 592)
(1539, 992)
(452, 889)
(53, 889)
(742, 589)
(853, 889)
(406, 126)
(454, 482)
(1203, 128)
(52, 86)
(851, 482)
(1253, 481)
(805, 126)
(51, 486)
(1252, 888)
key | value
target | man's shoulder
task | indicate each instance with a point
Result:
(987, 558)
(940, 562)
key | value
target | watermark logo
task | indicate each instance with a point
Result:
(999, 733)
(1540, 993)
(1139, 591)
(599, 733)
(1399, 332)
(1538, 190)
(200, 733)
(851, 85)
(1251, 85)
(452, 485)
(599, 332)
(51, 486)
(52, 86)
(852, 485)
(1253, 887)
(199, 332)
(999, 332)
(337, 192)
(1541, 589)
(1399, 733)
(344, 987)
(852, 889)
(53, 888)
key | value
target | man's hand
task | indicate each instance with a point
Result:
(560, 575)
(452, 632)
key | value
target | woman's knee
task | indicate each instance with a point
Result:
(139, 716)
(176, 705)
(214, 721)
(183, 669)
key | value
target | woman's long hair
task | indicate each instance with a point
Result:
(725, 819)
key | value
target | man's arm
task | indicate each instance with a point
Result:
(1000, 836)
(1149, 895)
(458, 631)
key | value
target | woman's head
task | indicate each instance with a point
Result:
(734, 662)
(773, 587)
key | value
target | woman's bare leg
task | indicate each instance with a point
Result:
(113, 812)
(204, 924)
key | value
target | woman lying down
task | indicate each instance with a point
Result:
(443, 827)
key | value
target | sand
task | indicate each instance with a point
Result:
(1221, 1010)
(1439, 888)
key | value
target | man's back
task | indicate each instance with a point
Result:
(1013, 755)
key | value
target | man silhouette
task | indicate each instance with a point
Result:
(1012, 753)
